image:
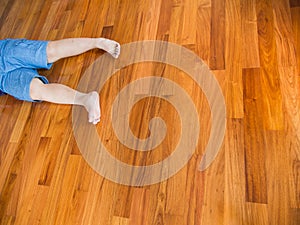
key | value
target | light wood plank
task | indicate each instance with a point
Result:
(278, 204)
(233, 63)
(250, 36)
(203, 31)
(139, 207)
(120, 221)
(284, 34)
(235, 186)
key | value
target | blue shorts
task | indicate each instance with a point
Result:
(19, 61)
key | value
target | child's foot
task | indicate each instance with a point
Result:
(110, 46)
(92, 105)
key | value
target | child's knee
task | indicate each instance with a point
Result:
(36, 89)
(51, 56)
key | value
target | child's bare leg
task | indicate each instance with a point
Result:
(61, 94)
(74, 46)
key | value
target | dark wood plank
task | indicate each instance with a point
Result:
(294, 3)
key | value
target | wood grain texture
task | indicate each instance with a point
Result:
(284, 36)
(269, 64)
(233, 63)
(252, 48)
(203, 31)
(250, 53)
(296, 33)
(218, 36)
(255, 139)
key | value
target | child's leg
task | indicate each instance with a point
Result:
(75, 46)
(61, 94)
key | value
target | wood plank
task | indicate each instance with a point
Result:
(147, 31)
(139, 206)
(164, 21)
(110, 12)
(21, 121)
(289, 84)
(95, 10)
(94, 198)
(218, 35)
(104, 206)
(7, 20)
(124, 197)
(4, 10)
(176, 203)
(41, 21)
(57, 138)
(235, 186)
(64, 211)
(189, 22)
(22, 166)
(120, 221)
(255, 140)
(213, 208)
(126, 12)
(8, 117)
(296, 182)
(195, 193)
(175, 35)
(233, 62)
(296, 33)
(157, 203)
(203, 31)
(250, 53)
(47, 27)
(9, 183)
(39, 199)
(284, 34)
(269, 74)
(28, 188)
(277, 173)
(294, 3)
(56, 183)
(7, 220)
(31, 25)
(6, 163)
(257, 214)
(295, 216)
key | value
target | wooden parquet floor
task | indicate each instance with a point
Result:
(253, 49)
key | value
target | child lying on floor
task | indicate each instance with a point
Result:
(20, 59)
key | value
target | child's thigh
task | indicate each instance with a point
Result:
(23, 53)
(17, 83)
